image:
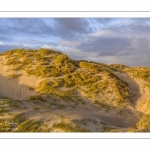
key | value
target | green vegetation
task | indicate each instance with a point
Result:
(3, 126)
(24, 124)
(147, 86)
(91, 79)
(19, 118)
(69, 84)
(139, 72)
(37, 97)
(23, 59)
(142, 126)
(68, 127)
(110, 129)
(60, 64)
(92, 85)
(27, 125)
(30, 126)
(135, 72)
(45, 87)
(107, 107)
(96, 86)
(2, 110)
(44, 52)
(10, 103)
(90, 66)
(85, 121)
(12, 61)
(116, 67)
(14, 75)
(35, 108)
(31, 88)
(41, 71)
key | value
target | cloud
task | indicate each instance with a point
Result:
(1, 43)
(46, 46)
(72, 28)
(105, 45)
(6, 39)
(66, 28)
(118, 40)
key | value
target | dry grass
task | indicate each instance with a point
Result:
(68, 127)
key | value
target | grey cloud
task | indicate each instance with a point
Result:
(105, 21)
(2, 38)
(140, 21)
(67, 28)
(142, 44)
(134, 59)
(24, 26)
(105, 45)
(130, 30)
(140, 29)
(127, 38)
(72, 27)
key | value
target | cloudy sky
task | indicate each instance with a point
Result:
(106, 40)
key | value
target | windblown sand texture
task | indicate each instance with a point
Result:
(12, 89)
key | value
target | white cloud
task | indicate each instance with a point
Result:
(1, 43)
(57, 47)
(51, 47)
(46, 46)
(104, 33)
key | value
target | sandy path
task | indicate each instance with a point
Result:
(93, 112)
(134, 88)
(140, 97)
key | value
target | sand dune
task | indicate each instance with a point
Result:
(52, 108)
(16, 88)
(12, 89)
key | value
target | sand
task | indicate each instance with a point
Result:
(16, 88)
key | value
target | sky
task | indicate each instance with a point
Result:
(106, 40)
